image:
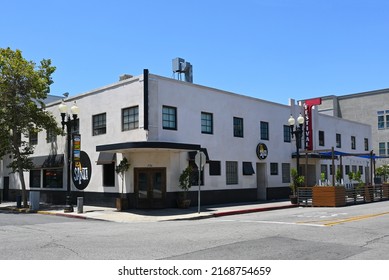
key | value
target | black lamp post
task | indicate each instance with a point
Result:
(68, 122)
(298, 132)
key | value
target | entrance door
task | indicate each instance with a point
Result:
(150, 187)
(261, 181)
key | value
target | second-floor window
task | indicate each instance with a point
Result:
(130, 118)
(264, 131)
(321, 138)
(99, 124)
(169, 117)
(206, 123)
(338, 140)
(238, 127)
(353, 143)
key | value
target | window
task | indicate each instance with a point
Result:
(35, 178)
(264, 131)
(323, 170)
(52, 178)
(195, 174)
(366, 143)
(353, 143)
(109, 175)
(50, 136)
(206, 123)
(231, 172)
(338, 140)
(248, 168)
(381, 120)
(130, 118)
(99, 124)
(347, 169)
(273, 168)
(287, 135)
(169, 117)
(214, 168)
(381, 149)
(285, 172)
(33, 138)
(387, 118)
(321, 138)
(387, 151)
(238, 127)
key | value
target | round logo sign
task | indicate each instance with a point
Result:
(261, 151)
(82, 171)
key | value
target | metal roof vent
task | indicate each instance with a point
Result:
(179, 66)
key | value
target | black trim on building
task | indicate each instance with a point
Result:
(146, 98)
(147, 145)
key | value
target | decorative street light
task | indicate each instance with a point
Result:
(69, 122)
(298, 132)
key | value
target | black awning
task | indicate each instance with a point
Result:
(106, 158)
(48, 161)
(314, 155)
(248, 168)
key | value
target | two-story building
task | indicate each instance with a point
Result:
(159, 124)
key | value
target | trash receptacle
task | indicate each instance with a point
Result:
(34, 200)
(80, 205)
(19, 201)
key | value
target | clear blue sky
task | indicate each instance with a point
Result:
(270, 49)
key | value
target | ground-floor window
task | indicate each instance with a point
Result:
(231, 172)
(286, 173)
(52, 178)
(35, 178)
(109, 175)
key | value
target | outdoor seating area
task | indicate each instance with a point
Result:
(336, 196)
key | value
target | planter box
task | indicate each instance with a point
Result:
(385, 190)
(121, 204)
(328, 196)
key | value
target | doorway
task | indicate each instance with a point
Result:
(261, 181)
(150, 187)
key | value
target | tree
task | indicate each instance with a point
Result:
(23, 88)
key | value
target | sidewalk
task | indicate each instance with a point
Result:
(155, 215)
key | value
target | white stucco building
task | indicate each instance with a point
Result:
(159, 123)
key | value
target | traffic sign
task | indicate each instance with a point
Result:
(200, 159)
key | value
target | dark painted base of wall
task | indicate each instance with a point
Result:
(170, 201)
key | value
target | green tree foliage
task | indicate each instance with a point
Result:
(23, 88)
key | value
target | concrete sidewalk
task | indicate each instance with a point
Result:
(168, 214)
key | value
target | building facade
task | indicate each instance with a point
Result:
(371, 108)
(158, 124)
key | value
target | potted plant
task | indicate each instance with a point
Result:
(121, 169)
(185, 183)
(297, 181)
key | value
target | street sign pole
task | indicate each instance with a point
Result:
(200, 160)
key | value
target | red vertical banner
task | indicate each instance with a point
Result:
(308, 131)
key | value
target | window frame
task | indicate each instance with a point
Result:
(130, 121)
(169, 117)
(206, 123)
(238, 126)
(264, 130)
(99, 124)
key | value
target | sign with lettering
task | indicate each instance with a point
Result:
(308, 133)
(262, 151)
(82, 171)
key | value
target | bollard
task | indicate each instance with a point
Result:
(19, 201)
(80, 205)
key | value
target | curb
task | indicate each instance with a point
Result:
(252, 210)
(63, 215)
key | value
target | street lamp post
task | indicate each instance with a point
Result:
(68, 122)
(298, 132)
